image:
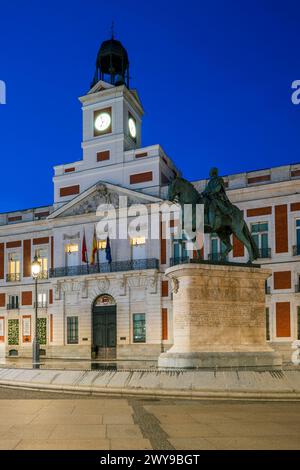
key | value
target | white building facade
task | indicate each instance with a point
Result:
(123, 309)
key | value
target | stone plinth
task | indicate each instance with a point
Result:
(219, 317)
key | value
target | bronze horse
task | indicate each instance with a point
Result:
(183, 192)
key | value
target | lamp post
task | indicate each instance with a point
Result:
(35, 271)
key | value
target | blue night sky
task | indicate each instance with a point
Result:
(214, 78)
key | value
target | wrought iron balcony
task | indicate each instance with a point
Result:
(13, 277)
(264, 253)
(178, 260)
(297, 288)
(114, 266)
(267, 290)
(43, 275)
(12, 306)
(296, 250)
(217, 257)
(41, 304)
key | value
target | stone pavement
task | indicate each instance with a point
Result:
(39, 420)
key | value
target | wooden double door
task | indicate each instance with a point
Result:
(105, 331)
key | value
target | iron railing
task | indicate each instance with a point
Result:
(43, 275)
(13, 277)
(12, 306)
(297, 288)
(296, 250)
(217, 257)
(267, 290)
(41, 304)
(114, 266)
(264, 253)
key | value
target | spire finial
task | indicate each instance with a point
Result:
(112, 29)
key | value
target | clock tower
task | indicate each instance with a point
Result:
(112, 113)
(111, 137)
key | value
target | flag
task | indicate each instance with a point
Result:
(107, 250)
(94, 248)
(84, 254)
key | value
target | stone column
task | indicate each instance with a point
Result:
(219, 318)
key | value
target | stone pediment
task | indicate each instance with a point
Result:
(102, 193)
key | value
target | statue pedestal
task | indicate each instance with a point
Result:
(219, 318)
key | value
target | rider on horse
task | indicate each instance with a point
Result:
(217, 202)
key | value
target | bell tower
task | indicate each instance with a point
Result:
(112, 112)
(112, 64)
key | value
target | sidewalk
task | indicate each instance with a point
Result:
(161, 424)
(284, 385)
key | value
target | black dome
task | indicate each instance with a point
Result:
(112, 60)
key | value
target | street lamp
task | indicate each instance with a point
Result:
(35, 271)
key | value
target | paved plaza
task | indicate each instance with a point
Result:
(40, 420)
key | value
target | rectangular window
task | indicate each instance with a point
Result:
(180, 249)
(102, 156)
(141, 177)
(72, 330)
(42, 254)
(164, 322)
(260, 235)
(138, 248)
(13, 301)
(217, 248)
(42, 299)
(139, 328)
(14, 266)
(268, 324)
(101, 251)
(69, 190)
(2, 329)
(297, 237)
(72, 254)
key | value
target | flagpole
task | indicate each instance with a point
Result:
(98, 260)
(86, 253)
(87, 259)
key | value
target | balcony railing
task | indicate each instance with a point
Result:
(264, 253)
(217, 257)
(115, 266)
(297, 288)
(267, 290)
(41, 304)
(43, 275)
(296, 250)
(13, 277)
(12, 306)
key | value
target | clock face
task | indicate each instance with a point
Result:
(102, 122)
(132, 127)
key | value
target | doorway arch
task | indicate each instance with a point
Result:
(104, 327)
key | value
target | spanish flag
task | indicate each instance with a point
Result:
(94, 248)
(84, 253)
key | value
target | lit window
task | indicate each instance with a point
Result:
(138, 241)
(42, 299)
(71, 248)
(42, 255)
(72, 254)
(138, 248)
(13, 267)
(101, 244)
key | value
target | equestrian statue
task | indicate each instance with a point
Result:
(220, 216)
